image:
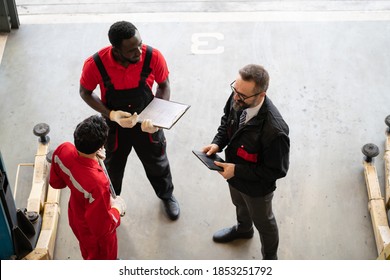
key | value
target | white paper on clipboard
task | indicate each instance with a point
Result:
(163, 113)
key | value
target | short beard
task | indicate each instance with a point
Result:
(238, 107)
(134, 61)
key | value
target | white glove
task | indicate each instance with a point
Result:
(148, 127)
(124, 119)
(119, 204)
(101, 153)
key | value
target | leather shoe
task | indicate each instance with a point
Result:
(171, 207)
(229, 234)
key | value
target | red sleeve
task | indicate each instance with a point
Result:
(90, 76)
(100, 217)
(159, 66)
(56, 180)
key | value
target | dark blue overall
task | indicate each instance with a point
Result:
(150, 148)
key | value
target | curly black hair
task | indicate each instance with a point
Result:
(120, 31)
(91, 134)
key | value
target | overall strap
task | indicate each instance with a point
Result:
(146, 67)
(103, 72)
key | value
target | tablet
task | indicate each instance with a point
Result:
(209, 160)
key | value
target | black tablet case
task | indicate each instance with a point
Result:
(209, 160)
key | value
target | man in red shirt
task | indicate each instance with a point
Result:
(125, 73)
(93, 214)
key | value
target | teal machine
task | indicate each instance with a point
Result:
(7, 248)
(18, 232)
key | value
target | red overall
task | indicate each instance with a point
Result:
(91, 217)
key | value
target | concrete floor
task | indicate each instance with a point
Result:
(329, 78)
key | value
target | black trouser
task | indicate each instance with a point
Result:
(151, 150)
(257, 211)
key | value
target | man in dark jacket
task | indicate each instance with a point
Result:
(257, 154)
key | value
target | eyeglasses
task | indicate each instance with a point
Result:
(242, 96)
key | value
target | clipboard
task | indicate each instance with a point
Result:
(163, 113)
(209, 160)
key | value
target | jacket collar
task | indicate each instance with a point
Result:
(261, 114)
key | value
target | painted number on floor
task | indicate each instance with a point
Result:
(207, 43)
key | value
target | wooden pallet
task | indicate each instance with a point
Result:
(377, 204)
(43, 200)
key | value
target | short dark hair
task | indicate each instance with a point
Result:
(91, 134)
(256, 73)
(120, 31)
